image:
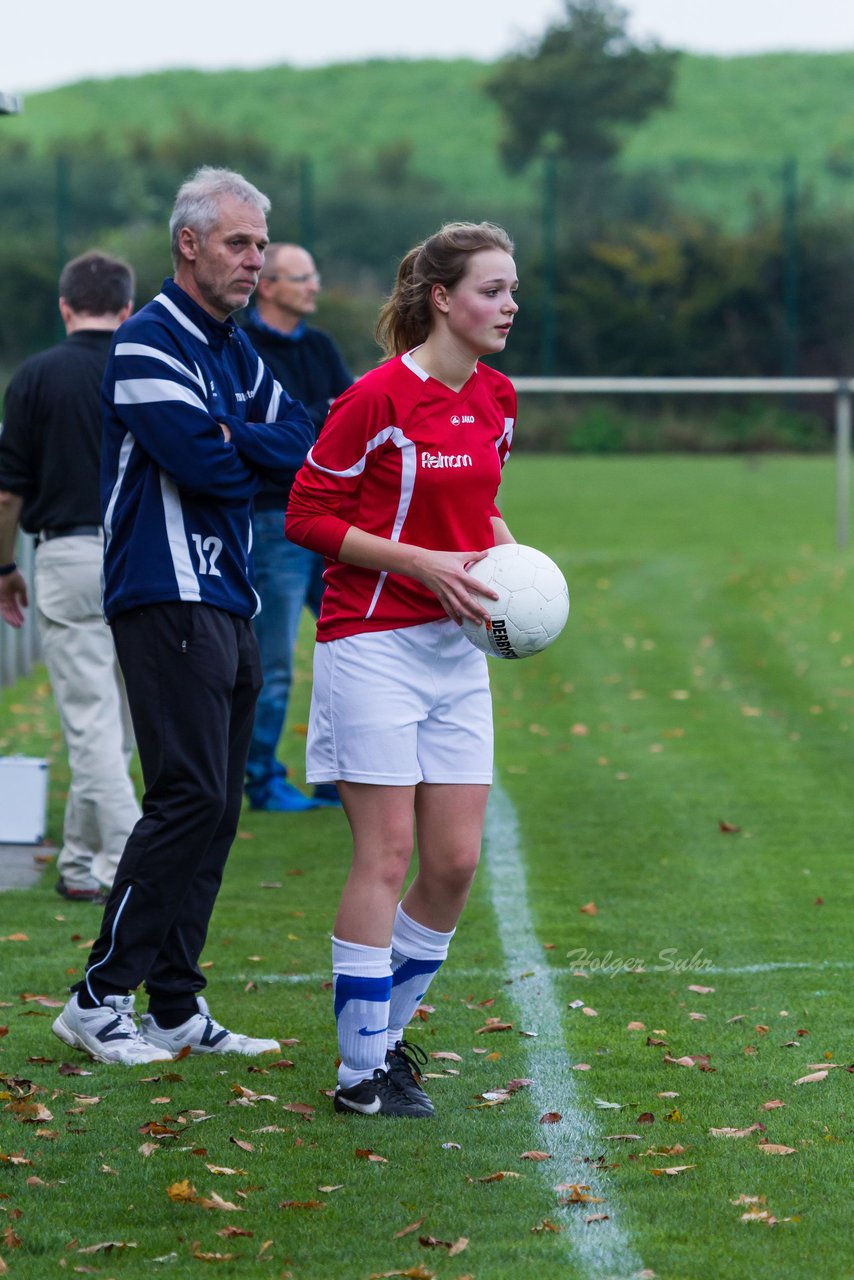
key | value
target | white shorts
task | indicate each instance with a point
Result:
(396, 708)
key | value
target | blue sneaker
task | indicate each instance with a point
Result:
(280, 796)
(325, 796)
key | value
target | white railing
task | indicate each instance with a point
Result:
(19, 649)
(840, 388)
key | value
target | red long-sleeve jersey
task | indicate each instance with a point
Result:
(404, 457)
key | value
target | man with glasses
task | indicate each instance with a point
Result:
(310, 367)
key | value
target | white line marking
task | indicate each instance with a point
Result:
(561, 971)
(773, 966)
(601, 1247)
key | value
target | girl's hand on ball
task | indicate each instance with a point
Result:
(444, 572)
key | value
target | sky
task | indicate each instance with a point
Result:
(46, 43)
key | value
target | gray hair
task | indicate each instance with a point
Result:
(198, 200)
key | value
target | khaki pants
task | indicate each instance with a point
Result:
(87, 685)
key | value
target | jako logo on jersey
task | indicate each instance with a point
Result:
(446, 459)
(456, 420)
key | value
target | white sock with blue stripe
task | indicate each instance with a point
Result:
(361, 979)
(416, 956)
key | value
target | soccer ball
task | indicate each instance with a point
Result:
(532, 605)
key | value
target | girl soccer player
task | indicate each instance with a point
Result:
(399, 495)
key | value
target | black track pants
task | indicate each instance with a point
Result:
(193, 676)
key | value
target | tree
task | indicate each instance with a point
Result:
(573, 91)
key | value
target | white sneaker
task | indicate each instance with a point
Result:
(204, 1035)
(107, 1033)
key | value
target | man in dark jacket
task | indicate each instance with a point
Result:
(193, 423)
(310, 368)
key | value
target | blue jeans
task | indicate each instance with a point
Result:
(287, 577)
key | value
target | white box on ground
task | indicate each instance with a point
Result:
(23, 799)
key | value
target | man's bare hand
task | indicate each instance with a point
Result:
(13, 598)
(226, 430)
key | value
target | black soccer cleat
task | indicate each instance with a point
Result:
(402, 1064)
(379, 1096)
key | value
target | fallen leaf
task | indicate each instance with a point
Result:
(535, 1155)
(701, 991)
(494, 1024)
(812, 1079)
(545, 1225)
(727, 828)
(405, 1231)
(596, 1217)
(365, 1153)
(589, 909)
(302, 1204)
(453, 1247)
(496, 1177)
(776, 1149)
(107, 1246)
(674, 1169)
(551, 1117)
(182, 1191)
(736, 1133)
(759, 1215)
(578, 1194)
(213, 1201)
(772, 1105)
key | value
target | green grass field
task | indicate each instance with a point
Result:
(704, 679)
